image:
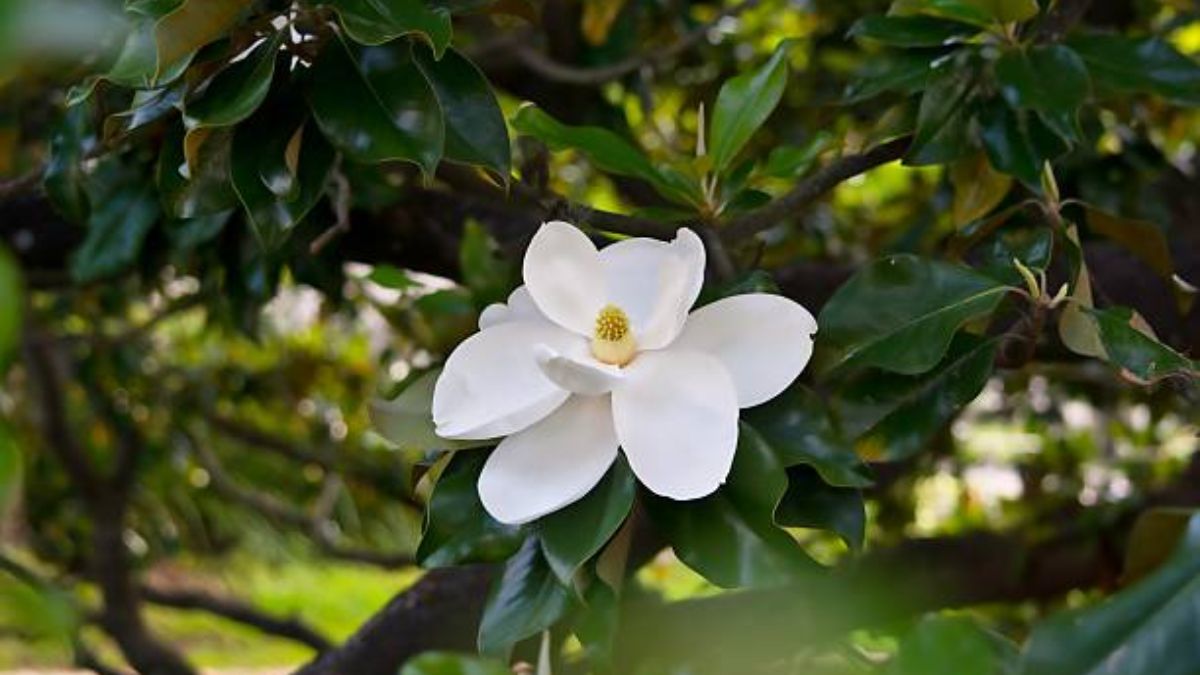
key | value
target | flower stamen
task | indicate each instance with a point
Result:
(613, 341)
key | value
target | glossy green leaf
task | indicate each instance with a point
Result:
(904, 72)
(1017, 142)
(1050, 78)
(11, 311)
(148, 107)
(374, 105)
(190, 26)
(1155, 536)
(204, 187)
(1150, 65)
(374, 22)
(271, 215)
(743, 105)
(1077, 328)
(124, 208)
(977, 188)
(441, 663)
(571, 536)
(812, 503)
(968, 11)
(475, 128)
(524, 601)
(943, 120)
(945, 645)
(136, 65)
(1140, 356)
(730, 537)
(912, 31)
(797, 427)
(457, 528)
(1031, 245)
(603, 148)
(793, 161)
(900, 313)
(237, 91)
(895, 416)
(486, 272)
(191, 233)
(407, 419)
(1146, 629)
(64, 178)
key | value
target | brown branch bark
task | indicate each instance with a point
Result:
(290, 628)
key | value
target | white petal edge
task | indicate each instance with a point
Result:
(492, 385)
(579, 373)
(677, 418)
(551, 464)
(655, 282)
(520, 307)
(563, 274)
(764, 341)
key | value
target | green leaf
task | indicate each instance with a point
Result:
(11, 312)
(273, 216)
(791, 161)
(192, 25)
(603, 148)
(1008, 11)
(1142, 238)
(523, 602)
(895, 416)
(441, 663)
(124, 208)
(571, 536)
(1017, 142)
(475, 128)
(1048, 78)
(148, 107)
(374, 22)
(1140, 356)
(1155, 536)
(900, 313)
(1146, 629)
(137, 65)
(912, 31)
(407, 419)
(237, 91)
(743, 105)
(1149, 65)
(797, 427)
(979, 12)
(977, 189)
(65, 179)
(812, 503)
(376, 106)
(189, 234)
(904, 72)
(945, 645)
(1031, 245)
(457, 528)
(202, 186)
(488, 274)
(1077, 328)
(943, 120)
(730, 537)
(10, 454)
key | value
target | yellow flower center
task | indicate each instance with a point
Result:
(613, 340)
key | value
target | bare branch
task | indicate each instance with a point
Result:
(291, 628)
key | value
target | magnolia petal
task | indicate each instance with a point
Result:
(492, 385)
(520, 307)
(563, 274)
(677, 418)
(763, 340)
(579, 373)
(551, 464)
(656, 283)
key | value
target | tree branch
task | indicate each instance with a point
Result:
(291, 628)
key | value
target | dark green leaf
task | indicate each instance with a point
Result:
(797, 427)
(968, 11)
(376, 106)
(900, 313)
(12, 289)
(608, 151)
(791, 161)
(274, 216)
(487, 273)
(440, 663)
(1008, 142)
(186, 235)
(457, 528)
(945, 645)
(1150, 65)
(1048, 78)
(1032, 246)
(136, 65)
(1155, 536)
(905, 72)
(202, 188)
(237, 91)
(475, 129)
(64, 179)
(812, 503)
(743, 105)
(192, 25)
(1139, 356)
(124, 208)
(374, 22)
(149, 106)
(523, 602)
(571, 536)
(1146, 629)
(895, 416)
(912, 31)
(730, 537)
(943, 121)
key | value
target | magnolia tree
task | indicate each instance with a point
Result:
(585, 286)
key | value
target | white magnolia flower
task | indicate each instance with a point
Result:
(597, 352)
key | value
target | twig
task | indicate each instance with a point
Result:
(341, 212)
(291, 628)
(547, 67)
